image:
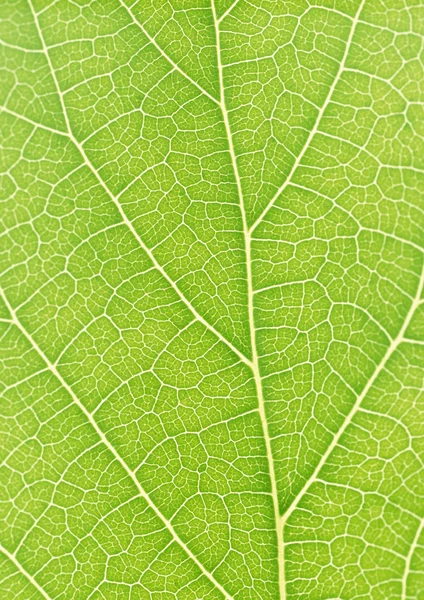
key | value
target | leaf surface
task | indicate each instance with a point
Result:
(212, 313)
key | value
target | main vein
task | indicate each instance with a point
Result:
(250, 299)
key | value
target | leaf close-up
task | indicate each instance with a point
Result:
(212, 299)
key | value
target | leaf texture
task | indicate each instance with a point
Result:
(212, 305)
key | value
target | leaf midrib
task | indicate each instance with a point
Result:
(250, 302)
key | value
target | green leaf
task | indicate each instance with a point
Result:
(212, 307)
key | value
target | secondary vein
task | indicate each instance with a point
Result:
(165, 55)
(121, 211)
(111, 448)
(400, 338)
(320, 114)
(24, 572)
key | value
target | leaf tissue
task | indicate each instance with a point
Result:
(212, 304)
